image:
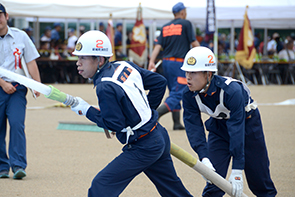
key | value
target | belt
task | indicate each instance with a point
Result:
(147, 132)
(175, 59)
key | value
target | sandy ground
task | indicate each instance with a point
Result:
(62, 163)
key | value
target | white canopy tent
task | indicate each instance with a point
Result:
(262, 13)
(268, 14)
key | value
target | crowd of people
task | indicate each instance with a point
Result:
(54, 47)
(276, 58)
(275, 44)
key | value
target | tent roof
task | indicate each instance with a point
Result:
(262, 14)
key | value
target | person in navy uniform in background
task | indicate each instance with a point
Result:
(176, 39)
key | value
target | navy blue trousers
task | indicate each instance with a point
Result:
(176, 83)
(256, 158)
(151, 155)
(13, 109)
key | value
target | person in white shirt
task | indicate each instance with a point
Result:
(15, 44)
(287, 54)
(272, 44)
(72, 39)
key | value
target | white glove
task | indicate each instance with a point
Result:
(82, 108)
(208, 163)
(236, 179)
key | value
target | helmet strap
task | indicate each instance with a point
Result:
(99, 68)
(207, 84)
(105, 62)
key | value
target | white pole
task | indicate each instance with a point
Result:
(232, 38)
(124, 37)
(35, 85)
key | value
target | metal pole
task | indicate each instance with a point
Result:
(124, 36)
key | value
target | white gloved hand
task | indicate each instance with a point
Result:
(82, 108)
(208, 163)
(236, 179)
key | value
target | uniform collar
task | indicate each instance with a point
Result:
(9, 32)
(99, 73)
(211, 90)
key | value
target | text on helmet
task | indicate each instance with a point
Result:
(99, 43)
(99, 46)
(211, 62)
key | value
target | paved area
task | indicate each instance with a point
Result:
(62, 163)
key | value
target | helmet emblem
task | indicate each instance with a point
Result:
(191, 61)
(79, 46)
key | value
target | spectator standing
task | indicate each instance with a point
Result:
(82, 30)
(128, 41)
(102, 27)
(72, 39)
(176, 38)
(280, 44)
(286, 55)
(257, 41)
(46, 37)
(29, 31)
(272, 44)
(118, 35)
(14, 44)
(55, 37)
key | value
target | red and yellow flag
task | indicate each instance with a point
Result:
(138, 52)
(110, 34)
(246, 51)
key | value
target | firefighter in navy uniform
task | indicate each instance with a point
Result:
(176, 39)
(127, 110)
(235, 128)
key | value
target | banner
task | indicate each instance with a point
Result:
(210, 17)
(110, 34)
(138, 51)
(246, 51)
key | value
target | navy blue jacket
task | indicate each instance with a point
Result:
(232, 129)
(116, 109)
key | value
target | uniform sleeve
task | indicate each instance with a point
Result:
(30, 51)
(194, 126)
(156, 85)
(111, 114)
(190, 32)
(235, 102)
(160, 38)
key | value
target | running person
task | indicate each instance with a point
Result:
(235, 128)
(128, 111)
(176, 39)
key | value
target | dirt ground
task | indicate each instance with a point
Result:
(62, 163)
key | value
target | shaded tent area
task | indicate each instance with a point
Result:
(263, 14)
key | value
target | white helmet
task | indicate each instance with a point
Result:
(93, 43)
(199, 59)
